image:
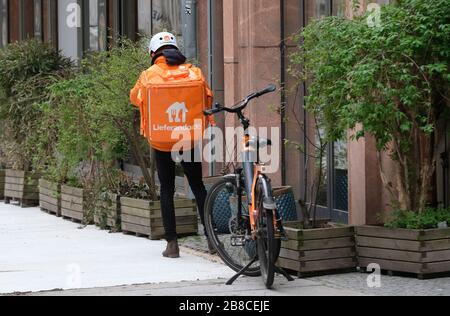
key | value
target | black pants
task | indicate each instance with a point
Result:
(166, 174)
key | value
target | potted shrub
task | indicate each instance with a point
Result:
(141, 216)
(409, 242)
(319, 250)
(21, 186)
(26, 70)
(50, 197)
(107, 211)
(390, 83)
(76, 202)
(315, 246)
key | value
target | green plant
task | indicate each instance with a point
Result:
(115, 73)
(26, 70)
(430, 218)
(391, 82)
(96, 124)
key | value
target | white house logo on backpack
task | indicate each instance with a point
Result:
(177, 112)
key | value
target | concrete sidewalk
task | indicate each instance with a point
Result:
(242, 287)
(42, 252)
(44, 255)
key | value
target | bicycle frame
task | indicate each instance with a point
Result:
(252, 171)
(250, 178)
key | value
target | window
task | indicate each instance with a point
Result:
(316, 9)
(344, 8)
(38, 30)
(102, 25)
(95, 25)
(3, 23)
(340, 7)
(159, 15)
(50, 22)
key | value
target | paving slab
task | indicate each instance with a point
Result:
(42, 252)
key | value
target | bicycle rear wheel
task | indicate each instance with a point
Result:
(268, 246)
(227, 232)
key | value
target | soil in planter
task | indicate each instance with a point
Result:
(422, 253)
(22, 187)
(318, 251)
(143, 218)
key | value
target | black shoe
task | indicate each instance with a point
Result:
(172, 250)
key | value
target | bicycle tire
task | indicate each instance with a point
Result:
(229, 259)
(267, 245)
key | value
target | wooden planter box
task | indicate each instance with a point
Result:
(107, 212)
(143, 218)
(2, 184)
(421, 252)
(50, 197)
(318, 250)
(22, 186)
(74, 204)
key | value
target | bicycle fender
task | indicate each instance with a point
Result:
(268, 202)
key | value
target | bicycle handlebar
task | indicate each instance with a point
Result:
(219, 108)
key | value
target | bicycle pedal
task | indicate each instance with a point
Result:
(237, 241)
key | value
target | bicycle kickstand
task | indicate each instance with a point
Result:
(240, 273)
(284, 273)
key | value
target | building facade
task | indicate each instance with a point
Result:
(242, 45)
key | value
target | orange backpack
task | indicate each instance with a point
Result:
(174, 102)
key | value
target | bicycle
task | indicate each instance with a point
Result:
(241, 215)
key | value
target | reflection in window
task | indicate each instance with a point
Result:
(346, 8)
(93, 25)
(38, 19)
(49, 22)
(316, 9)
(321, 178)
(340, 7)
(144, 17)
(102, 25)
(340, 184)
(167, 16)
(159, 15)
(3, 23)
(96, 25)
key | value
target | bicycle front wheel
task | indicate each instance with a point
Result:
(227, 230)
(267, 244)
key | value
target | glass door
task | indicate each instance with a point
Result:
(327, 166)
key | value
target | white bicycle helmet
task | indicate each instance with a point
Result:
(162, 39)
